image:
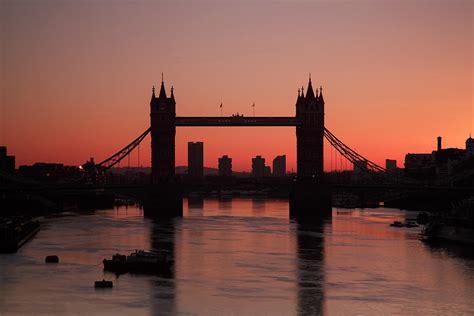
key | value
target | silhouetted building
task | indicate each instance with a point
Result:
(43, 171)
(390, 165)
(279, 166)
(258, 166)
(419, 166)
(470, 147)
(225, 166)
(440, 163)
(196, 159)
(7, 163)
(267, 171)
(89, 165)
(446, 159)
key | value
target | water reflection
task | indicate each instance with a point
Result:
(242, 264)
(195, 202)
(450, 249)
(162, 286)
(310, 267)
(258, 206)
(238, 265)
(225, 204)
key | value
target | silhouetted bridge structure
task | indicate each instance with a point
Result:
(310, 194)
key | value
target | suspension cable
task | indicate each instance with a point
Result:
(124, 152)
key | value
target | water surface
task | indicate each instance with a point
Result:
(238, 257)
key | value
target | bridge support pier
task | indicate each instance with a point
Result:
(310, 200)
(163, 200)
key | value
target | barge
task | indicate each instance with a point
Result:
(139, 261)
(16, 231)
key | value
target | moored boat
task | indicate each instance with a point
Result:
(103, 284)
(16, 231)
(397, 224)
(51, 259)
(409, 223)
(139, 261)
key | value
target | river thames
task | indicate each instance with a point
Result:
(238, 257)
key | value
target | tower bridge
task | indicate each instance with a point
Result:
(308, 121)
(309, 124)
(310, 194)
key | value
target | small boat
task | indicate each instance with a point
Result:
(396, 224)
(51, 259)
(103, 284)
(409, 223)
(139, 261)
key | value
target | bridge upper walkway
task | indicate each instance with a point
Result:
(236, 121)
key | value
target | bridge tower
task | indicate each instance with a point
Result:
(310, 196)
(163, 131)
(310, 133)
(163, 197)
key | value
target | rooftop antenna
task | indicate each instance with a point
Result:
(253, 106)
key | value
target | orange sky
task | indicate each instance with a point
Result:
(76, 77)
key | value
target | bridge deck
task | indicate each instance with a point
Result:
(236, 121)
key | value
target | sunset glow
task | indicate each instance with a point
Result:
(76, 78)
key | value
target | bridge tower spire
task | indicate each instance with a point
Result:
(172, 96)
(153, 96)
(310, 91)
(162, 89)
(321, 99)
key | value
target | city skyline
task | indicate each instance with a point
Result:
(399, 83)
(229, 157)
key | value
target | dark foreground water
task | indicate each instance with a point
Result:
(239, 257)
